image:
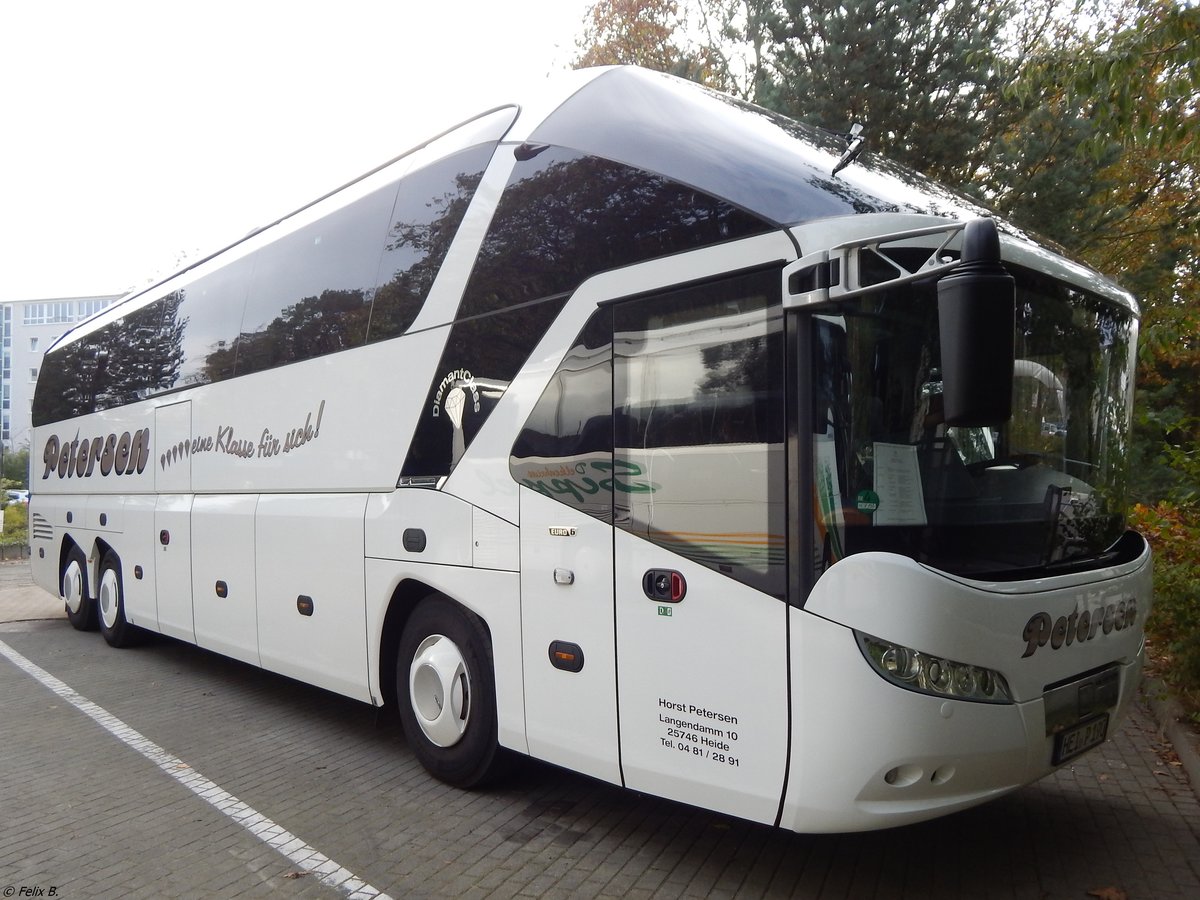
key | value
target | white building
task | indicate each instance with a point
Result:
(28, 328)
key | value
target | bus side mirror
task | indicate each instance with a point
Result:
(976, 314)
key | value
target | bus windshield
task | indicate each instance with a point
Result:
(1044, 489)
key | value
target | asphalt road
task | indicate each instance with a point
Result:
(167, 771)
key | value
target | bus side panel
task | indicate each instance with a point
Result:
(339, 423)
(173, 568)
(43, 558)
(46, 528)
(311, 584)
(444, 524)
(223, 583)
(137, 549)
(104, 513)
(170, 452)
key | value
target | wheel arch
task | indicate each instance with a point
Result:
(64, 553)
(101, 549)
(93, 558)
(407, 594)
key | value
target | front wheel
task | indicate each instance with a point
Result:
(447, 694)
(110, 605)
(81, 609)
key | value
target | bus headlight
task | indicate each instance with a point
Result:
(934, 675)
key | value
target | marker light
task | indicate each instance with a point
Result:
(933, 675)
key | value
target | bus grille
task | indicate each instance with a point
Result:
(40, 528)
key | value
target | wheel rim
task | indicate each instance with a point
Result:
(73, 586)
(439, 689)
(109, 598)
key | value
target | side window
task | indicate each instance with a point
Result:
(311, 289)
(208, 315)
(429, 208)
(129, 359)
(698, 394)
(141, 353)
(565, 449)
(565, 216)
(64, 384)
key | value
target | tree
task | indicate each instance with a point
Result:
(16, 468)
(1137, 73)
(631, 32)
(1105, 161)
(920, 75)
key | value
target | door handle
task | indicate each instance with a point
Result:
(664, 585)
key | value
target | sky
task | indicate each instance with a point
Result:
(134, 134)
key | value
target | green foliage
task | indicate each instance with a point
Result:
(16, 469)
(920, 75)
(1173, 631)
(16, 525)
(1136, 75)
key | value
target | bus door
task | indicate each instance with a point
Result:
(567, 635)
(563, 460)
(699, 498)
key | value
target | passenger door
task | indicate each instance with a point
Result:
(700, 544)
(563, 460)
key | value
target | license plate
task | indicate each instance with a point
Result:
(1080, 738)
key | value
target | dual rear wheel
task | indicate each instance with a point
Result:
(107, 608)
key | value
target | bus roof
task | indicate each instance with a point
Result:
(767, 164)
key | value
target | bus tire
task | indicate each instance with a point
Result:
(80, 607)
(446, 692)
(110, 605)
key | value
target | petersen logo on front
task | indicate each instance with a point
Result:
(1084, 624)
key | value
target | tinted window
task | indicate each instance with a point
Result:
(127, 360)
(209, 317)
(699, 426)
(144, 351)
(311, 290)
(429, 208)
(65, 383)
(565, 216)
(565, 449)
(482, 356)
(744, 154)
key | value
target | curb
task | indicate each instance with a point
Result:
(1168, 713)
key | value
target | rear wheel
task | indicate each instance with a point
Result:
(110, 605)
(447, 694)
(81, 609)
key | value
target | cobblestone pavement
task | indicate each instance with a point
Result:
(84, 814)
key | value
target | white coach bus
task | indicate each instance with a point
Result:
(618, 431)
